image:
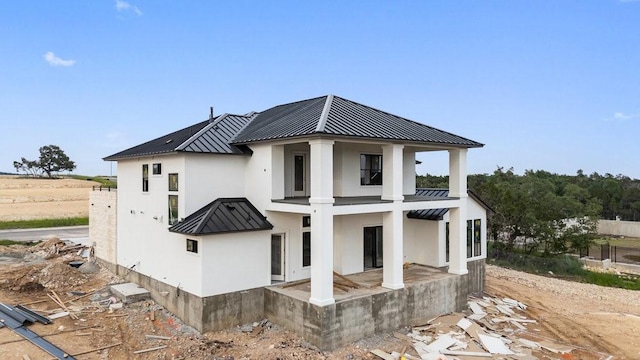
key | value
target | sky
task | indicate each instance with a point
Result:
(545, 85)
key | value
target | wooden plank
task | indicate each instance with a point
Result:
(354, 284)
(158, 337)
(383, 355)
(466, 353)
(150, 349)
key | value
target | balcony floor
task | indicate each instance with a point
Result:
(361, 200)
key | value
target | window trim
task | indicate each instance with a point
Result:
(170, 177)
(145, 178)
(364, 169)
(156, 169)
(192, 242)
(170, 219)
(306, 248)
(477, 237)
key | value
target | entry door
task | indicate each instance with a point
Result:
(372, 247)
(277, 257)
(299, 174)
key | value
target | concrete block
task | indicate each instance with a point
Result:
(130, 292)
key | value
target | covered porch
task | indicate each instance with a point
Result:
(371, 308)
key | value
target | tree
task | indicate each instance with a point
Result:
(52, 160)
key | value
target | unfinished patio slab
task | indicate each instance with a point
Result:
(130, 292)
(369, 308)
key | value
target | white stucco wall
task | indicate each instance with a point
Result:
(421, 239)
(143, 238)
(234, 261)
(348, 241)
(207, 177)
(290, 225)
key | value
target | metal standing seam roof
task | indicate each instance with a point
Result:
(438, 214)
(343, 118)
(210, 136)
(223, 215)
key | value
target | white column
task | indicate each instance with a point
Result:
(392, 238)
(458, 172)
(392, 172)
(277, 172)
(458, 215)
(458, 239)
(321, 204)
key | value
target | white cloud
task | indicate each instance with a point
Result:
(53, 60)
(620, 116)
(123, 6)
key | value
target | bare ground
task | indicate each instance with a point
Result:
(600, 321)
(28, 198)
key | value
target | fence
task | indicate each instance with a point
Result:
(618, 254)
(103, 188)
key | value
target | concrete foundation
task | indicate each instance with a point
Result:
(327, 327)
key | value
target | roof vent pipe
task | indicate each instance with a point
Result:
(211, 113)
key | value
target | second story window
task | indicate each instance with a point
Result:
(157, 169)
(173, 182)
(370, 169)
(145, 177)
(173, 209)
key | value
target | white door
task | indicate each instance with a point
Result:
(277, 257)
(299, 174)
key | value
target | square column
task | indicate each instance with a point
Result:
(458, 215)
(458, 172)
(392, 238)
(392, 172)
(458, 239)
(321, 201)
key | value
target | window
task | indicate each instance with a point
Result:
(306, 248)
(477, 237)
(173, 209)
(446, 241)
(469, 238)
(173, 182)
(306, 221)
(157, 169)
(370, 169)
(192, 246)
(145, 177)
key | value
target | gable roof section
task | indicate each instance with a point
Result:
(223, 215)
(438, 214)
(333, 115)
(203, 137)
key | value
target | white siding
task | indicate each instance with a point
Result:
(348, 241)
(291, 226)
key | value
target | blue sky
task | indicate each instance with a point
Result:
(552, 85)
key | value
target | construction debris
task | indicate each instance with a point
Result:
(491, 328)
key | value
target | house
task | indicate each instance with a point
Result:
(211, 216)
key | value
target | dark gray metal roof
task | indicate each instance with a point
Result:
(333, 115)
(438, 214)
(211, 136)
(430, 214)
(223, 215)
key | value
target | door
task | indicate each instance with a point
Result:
(372, 247)
(299, 174)
(277, 257)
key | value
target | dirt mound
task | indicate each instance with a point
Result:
(54, 276)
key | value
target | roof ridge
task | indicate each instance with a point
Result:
(193, 137)
(207, 214)
(325, 114)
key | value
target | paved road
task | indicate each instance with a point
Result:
(74, 233)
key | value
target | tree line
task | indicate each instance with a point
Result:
(546, 212)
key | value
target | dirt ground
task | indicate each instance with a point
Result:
(27, 198)
(598, 321)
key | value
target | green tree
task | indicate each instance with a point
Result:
(52, 160)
